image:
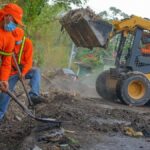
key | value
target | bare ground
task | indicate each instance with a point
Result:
(88, 122)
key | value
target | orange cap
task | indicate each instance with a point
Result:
(14, 10)
(18, 34)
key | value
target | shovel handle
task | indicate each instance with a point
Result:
(19, 72)
(25, 109)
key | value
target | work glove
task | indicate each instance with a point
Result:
(4, 86)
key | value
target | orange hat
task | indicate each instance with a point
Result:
(14, 10)
(18, 34)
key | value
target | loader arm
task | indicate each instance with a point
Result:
(129, 25)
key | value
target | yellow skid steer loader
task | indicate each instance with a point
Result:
(128, 81)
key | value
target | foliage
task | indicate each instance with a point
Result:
(32, 9)
(52, 47)
(113, 14)
(89, 57)
(47, 17)
(67, 3)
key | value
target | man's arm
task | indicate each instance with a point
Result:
(6, 45)
(5, 68)
(28, 56)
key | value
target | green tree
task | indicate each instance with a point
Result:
(113, 14)
(67, 3)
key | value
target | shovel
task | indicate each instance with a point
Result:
(28, 112)
(22, 81)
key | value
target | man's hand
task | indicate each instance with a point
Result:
(4, 86)
(22, 77)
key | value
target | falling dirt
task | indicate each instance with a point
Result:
(88, 123)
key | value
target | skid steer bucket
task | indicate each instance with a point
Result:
(86, 29)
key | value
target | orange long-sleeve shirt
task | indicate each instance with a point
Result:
(26, 58)
(6, 45)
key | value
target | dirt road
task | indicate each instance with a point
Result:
(89, 124)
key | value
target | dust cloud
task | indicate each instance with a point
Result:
(83, 86)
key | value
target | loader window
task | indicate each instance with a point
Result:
(145, 42)
(123, 48)
(126, 49)
(145, 50)
(146, 38)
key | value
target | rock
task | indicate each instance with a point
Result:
(18, 118)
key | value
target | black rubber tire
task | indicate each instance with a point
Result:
(104, 88)
(122, 89)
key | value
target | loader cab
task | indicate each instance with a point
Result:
(129, 52)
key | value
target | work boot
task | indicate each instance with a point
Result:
(38, 99)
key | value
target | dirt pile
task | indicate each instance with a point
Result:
(87, 125)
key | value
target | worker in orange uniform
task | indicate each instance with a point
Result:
(24, 53)
(10, 17)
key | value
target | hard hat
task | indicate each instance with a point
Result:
(18, 34)
(14, 10)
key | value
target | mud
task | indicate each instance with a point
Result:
(88, 123)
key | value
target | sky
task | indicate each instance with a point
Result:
(130, 7)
